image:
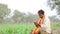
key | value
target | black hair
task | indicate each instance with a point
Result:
(41, 12)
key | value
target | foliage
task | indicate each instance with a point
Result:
(54, 4)
(3, 12)
(21, 28)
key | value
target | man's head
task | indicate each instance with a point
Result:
(41, 13)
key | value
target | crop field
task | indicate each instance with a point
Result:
(23, 28)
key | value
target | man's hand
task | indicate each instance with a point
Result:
(36, 23)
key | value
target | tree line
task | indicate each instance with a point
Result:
(18, 16)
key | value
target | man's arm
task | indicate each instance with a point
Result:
(36, 23)
(41, 21)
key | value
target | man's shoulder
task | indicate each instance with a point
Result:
(46, 18)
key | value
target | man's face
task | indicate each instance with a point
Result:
(40, 15)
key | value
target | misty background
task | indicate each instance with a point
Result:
(22, 12)
(14, 11)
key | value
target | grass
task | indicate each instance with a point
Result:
(20, 28)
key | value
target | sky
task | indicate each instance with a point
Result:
(29, 6)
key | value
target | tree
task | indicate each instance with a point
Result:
(4, 10)
(54, 4)
(18, 16)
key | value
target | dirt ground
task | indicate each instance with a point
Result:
(56, 31)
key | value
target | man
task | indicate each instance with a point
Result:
(43, 24)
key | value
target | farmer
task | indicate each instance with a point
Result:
(43, 24)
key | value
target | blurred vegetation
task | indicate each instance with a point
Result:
(4, 10)
(18, 16)
(24, 28)
(54, 4)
